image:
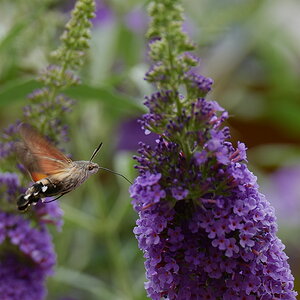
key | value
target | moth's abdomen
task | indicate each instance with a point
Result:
(23, 202)
(32, 195)
(51, 188)
(41, 189)
(54, 185)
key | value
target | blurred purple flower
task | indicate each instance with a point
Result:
(27, 258)
(50, 213)
(130, 134)
(104, 14)
(27, 254)
(10, 187)
(137, 20)
(6, 140)
(19, 280)
(284, 189)
(190, 27)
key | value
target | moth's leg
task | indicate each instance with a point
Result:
(54, 198)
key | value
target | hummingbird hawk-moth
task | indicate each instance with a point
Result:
(54, 173)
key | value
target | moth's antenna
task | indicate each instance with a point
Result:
(105, 169)
(96, 151)
(116, 173)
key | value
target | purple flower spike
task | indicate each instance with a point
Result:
(204, 228)
(28, 259)
(232, 248)
(206, 216)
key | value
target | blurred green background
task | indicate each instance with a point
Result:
(251, 48)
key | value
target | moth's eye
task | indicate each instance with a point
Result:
(91, 168)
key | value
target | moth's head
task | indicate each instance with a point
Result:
(92, 167)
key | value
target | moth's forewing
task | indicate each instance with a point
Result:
(39, 157)
(29, 161)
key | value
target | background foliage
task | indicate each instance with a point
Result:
(250, 48)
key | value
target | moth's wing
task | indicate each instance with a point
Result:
(40, 157)
(29, 161)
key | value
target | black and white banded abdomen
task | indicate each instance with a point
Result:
(54, 185)
(41, 189)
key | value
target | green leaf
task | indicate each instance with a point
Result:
(272, 155)
(82, 219)
(84, 282)
(17, 90)
(105, 95)
(11, 36)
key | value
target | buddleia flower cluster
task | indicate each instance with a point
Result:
(27, 254)
(204, 228)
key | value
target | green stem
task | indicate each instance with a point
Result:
(110, 235)
(174, 83)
